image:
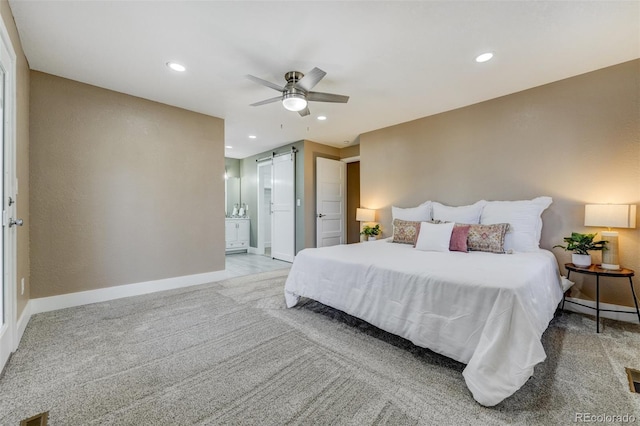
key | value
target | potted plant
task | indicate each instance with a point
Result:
(580, 245)
(371, 232)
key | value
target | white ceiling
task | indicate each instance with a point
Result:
(397, 60)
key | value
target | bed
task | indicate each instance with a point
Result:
(486, 310)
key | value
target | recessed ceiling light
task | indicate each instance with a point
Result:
(322, 117)
(176, 66)
(484, 57)
(228, 147)
(252, 136)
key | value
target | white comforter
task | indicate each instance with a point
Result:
(483, 309)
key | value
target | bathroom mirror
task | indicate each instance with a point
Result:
(233, 194)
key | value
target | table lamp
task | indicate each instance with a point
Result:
(365, 215)
(610, 216)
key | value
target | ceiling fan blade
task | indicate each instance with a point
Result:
(304, 112)
(327, 97)
(310, 79)
(265, 83)
(268, 101)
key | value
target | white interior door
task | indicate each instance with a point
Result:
(5, 329)
(330, 202)
(8, 341)
(283, 214)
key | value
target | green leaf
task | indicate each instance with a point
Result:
(582, 243)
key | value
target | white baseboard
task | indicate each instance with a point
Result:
(631, 316)
(52, 303)
(22, 323)
(253, 250)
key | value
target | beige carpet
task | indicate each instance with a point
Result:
(231, 353)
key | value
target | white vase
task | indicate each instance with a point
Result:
(372, 238)
(581, 260)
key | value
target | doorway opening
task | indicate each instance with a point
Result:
(278, 197)
(353, 201)
(264, 208)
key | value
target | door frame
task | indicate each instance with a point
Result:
(9, 338)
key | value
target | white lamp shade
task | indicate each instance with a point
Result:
(610, 215)
(365, 215)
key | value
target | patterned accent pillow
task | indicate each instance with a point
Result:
(489, 238)
(405, 231)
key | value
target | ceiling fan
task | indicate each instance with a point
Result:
(297, 92)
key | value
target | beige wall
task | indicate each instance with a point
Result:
(350, 151)
(577, 140)
(22, 157)
(123, 190)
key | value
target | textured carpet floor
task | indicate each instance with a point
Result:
(231, 353)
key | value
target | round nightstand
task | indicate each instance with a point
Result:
(599, 272)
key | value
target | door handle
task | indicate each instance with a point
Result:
(16, 222)
(321, 215)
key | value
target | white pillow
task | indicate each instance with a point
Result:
(524, 218)
(463, 214)
(422, 213)
(434, 236)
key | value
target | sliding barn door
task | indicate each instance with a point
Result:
(283, 213)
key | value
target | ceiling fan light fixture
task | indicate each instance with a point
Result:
(294, 102)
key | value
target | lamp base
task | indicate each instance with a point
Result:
(610, 266)
(610, 253)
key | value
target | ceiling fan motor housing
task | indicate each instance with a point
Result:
(293, 76)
